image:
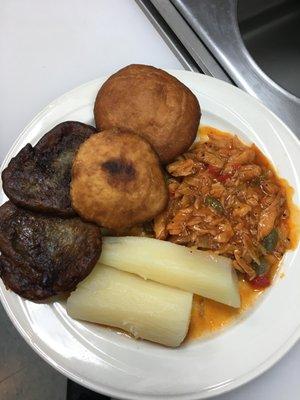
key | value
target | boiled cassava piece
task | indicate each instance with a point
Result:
(143, 308)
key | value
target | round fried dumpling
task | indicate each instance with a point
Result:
(43, 255)
(153, 104)
(117, 181)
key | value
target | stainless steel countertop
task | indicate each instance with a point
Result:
(208, 30)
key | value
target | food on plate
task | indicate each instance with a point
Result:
(42, 256)
(152, 103)
(117, 180)
(38, 177)
(193, 234)
(195, 271)
(145, 309)
(225, 197)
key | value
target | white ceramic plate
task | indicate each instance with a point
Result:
(114, 364)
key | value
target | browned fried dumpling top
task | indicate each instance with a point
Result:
(117, 180)
(152, 103)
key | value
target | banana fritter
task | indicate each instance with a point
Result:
(152, 103)
(117, 181)
(38, 178)
(45, 255)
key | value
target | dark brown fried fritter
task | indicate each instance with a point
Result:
(45, 255)
(117, 180)
(152, 103)
(38, 178)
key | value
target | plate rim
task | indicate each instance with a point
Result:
(237, 382)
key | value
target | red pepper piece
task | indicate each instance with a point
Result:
(224, 177)
(217, 172)
(214, 171)
(236, 166)
(260, 282)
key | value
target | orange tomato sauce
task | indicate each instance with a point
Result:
(209, 316)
